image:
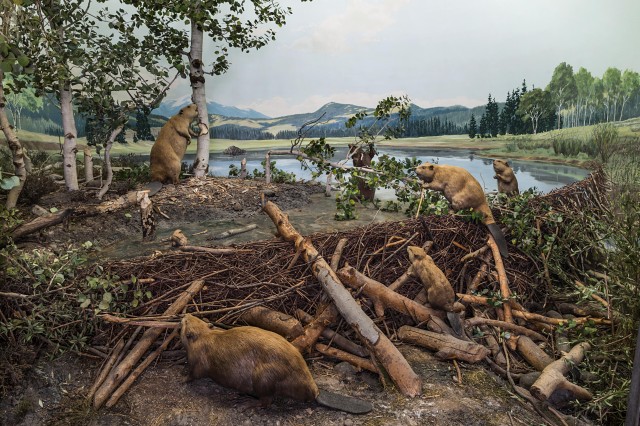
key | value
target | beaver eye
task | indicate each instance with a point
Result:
(189, 335)
(431, 167)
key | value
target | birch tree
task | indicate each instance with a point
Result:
(562, 88)
(239, 24)
(534, 105)
(630, 86)
(611, 80)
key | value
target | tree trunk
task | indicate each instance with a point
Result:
(88, 164)
(69, 149)
(16, 150)
(107, 160)
(196, 75)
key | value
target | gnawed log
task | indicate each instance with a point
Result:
(141, 322)
(390, 299)
(147, 219)
(408, 382)
(305, 341)
(178, 239)
(362, 363)
(533, 354)
(119, 372)
(40, 223)
(502, 278)
(278, 322)
(337, 339)
(235, 231)
(140, 369)
(570, 308)
(552, 377)
(446, 346)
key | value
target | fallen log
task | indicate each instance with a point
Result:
(408, 382)
(235, 231)
(390, 299)
(361, 363)
(314, 328)
(533, 354)
(446, 346)
(40, 223)
(552, 377)
(119, 372)
(337, 339)
(278, 322)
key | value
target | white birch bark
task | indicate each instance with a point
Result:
(17, 152)
(196, 75)
(69, 148)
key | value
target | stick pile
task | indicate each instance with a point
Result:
(368, 288)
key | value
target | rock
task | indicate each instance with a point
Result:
(345, 369)
(526, 380)
(237, 206)
(39, 211)
(269, 193)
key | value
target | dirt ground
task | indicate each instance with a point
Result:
(53, 391)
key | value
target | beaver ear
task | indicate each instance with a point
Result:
(507, 163)
(190, 335)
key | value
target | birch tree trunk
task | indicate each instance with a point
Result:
(196, 75)
(16, 150)
(107, 160)
(69, 149)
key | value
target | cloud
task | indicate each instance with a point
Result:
(361, 22)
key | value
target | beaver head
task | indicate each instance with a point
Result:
(190, 111)
(192, 328)
(426, 171)
(500, 166)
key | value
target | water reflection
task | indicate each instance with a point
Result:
(531, 174)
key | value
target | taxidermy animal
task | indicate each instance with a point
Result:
(168, 150)
(507, 182)
(440, 294)
(362, 156)
(462, 191)
(257, 362)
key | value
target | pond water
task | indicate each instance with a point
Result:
(531, 174)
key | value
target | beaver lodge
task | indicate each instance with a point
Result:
(351, 295)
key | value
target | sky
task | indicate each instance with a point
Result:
(437, 52)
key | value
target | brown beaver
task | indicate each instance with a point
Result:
(171, 144)
(440, 294)
(256, 362)
(462, 191)
(507, 182)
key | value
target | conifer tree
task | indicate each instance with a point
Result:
(473, 127)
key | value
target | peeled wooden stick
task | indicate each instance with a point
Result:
(446, 346)
(581, 286)
(557, 321)
(482, 272)
(119, 372)
(213, 250)
(378, 291)
(337, 339)
(337, 253)
(552, 377)
(536, 357)
(115, 352)
(502, 277)
(365, 364)
(470, 322)
(278, 322)
(408, 382)
(139, 370)
(235, 231)
(314, 329)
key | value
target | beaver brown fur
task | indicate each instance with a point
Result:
(168, 150)
(462, 191)
(440, 294)
(257, 362)
(362, 156)
(507, 181)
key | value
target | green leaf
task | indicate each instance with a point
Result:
(107, 297)
(104, 305)
(85, 304)
(53, 210)
(127, 215)
(148, 294)
(9, 183)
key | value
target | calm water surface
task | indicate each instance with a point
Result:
(531, 174)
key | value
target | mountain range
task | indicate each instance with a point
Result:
(171, 107)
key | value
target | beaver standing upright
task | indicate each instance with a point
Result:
(507, 182)
(462, 191)
(168, 150)
(440, 294)
(256, 362)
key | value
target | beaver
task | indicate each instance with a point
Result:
(507, 182)
(440, 294)
(362, 157)
(462, 191)
(257, 362)
(171, 144)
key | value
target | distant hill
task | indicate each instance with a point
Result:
(170, 107)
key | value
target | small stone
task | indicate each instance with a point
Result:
(237, 206)
(269, 193)
(348, 422)
(345, 369)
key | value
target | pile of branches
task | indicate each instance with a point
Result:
(246, 283)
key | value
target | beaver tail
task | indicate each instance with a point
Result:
(497, 234)
(344, 403)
